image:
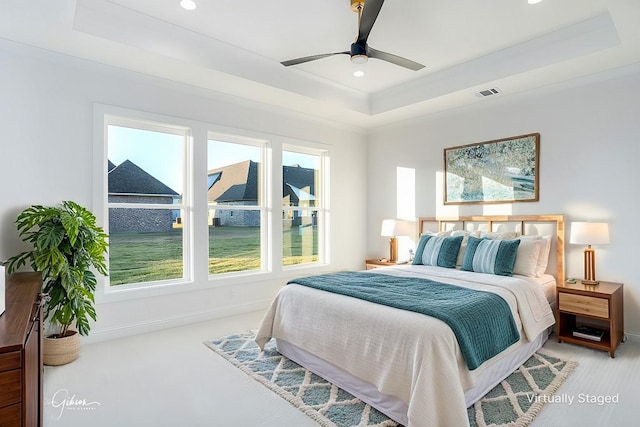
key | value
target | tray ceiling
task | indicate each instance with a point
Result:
(236, 47)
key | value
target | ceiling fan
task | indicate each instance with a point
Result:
(360, 51)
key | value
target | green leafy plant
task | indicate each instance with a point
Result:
(67, 244)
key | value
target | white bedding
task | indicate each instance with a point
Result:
(406, 355)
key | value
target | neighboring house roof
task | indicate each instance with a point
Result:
(239, 183)
(298, 183)
(129, 178)
(300, 194)
(110, 165)
(234, 183)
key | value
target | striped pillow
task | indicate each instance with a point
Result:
(438, 251)
(490, 256)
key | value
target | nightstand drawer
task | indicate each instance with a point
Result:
(580, 304)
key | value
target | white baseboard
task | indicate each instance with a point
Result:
(633, 337)
(98, 335)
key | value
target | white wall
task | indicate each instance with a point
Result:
(589, 152)
(46, 149)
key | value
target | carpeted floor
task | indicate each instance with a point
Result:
(514, 402)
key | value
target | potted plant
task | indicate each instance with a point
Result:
(67, 244)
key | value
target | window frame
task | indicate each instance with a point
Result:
(185, 206)
(322, 209)
(263, 205)
(195, 251)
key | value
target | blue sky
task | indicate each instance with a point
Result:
(161, 154)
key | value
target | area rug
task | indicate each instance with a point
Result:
(514, 402)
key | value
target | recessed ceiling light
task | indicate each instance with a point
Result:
(534, 1)
(187, 4)
(358, 73)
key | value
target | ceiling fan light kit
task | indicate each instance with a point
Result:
(360, 51)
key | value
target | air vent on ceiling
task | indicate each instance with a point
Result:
(488, 92)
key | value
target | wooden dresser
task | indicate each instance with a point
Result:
(21, 352)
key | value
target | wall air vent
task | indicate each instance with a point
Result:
(488, 92)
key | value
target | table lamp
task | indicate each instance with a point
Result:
(392, 228)
(589, 233)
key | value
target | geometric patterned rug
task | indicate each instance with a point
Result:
(514, 402)
(520, 397)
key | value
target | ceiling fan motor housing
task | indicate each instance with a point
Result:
(358, 53)
(358, 49)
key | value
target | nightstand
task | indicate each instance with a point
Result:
(599, 306)
(370, 264)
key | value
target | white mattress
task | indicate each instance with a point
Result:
(548, 283)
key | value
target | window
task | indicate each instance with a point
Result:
(304, 205)
(184, 200)
(146, 203)
(236, 205)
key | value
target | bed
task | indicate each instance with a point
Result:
(411, 366)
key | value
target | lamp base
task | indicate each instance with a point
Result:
(393, 249)
(590, 267)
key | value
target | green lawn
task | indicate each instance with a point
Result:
(143, 257)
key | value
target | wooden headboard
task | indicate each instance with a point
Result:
(529, 225)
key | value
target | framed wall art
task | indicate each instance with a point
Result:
(501, 171)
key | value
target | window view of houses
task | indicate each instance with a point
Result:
(146, 213)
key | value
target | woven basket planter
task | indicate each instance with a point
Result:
(60, 351)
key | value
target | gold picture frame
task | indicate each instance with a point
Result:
(500, 171)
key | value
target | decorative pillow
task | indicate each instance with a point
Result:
(500, 235)
(527, 258)
(440, 251)
(490, 256)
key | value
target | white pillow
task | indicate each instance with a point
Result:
(543, 258)
(463, 247)
(498, 235)
(543, 255)
(527, 257)
(465, 234)
(438, 234)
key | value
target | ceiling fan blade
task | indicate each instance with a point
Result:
(370, 12)
(394, 59)
(310, 58)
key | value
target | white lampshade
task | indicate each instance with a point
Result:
(395, 227)
(589, 233)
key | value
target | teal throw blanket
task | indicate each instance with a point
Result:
(481, 321)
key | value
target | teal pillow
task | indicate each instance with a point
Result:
(438, 251)
(490, 256)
